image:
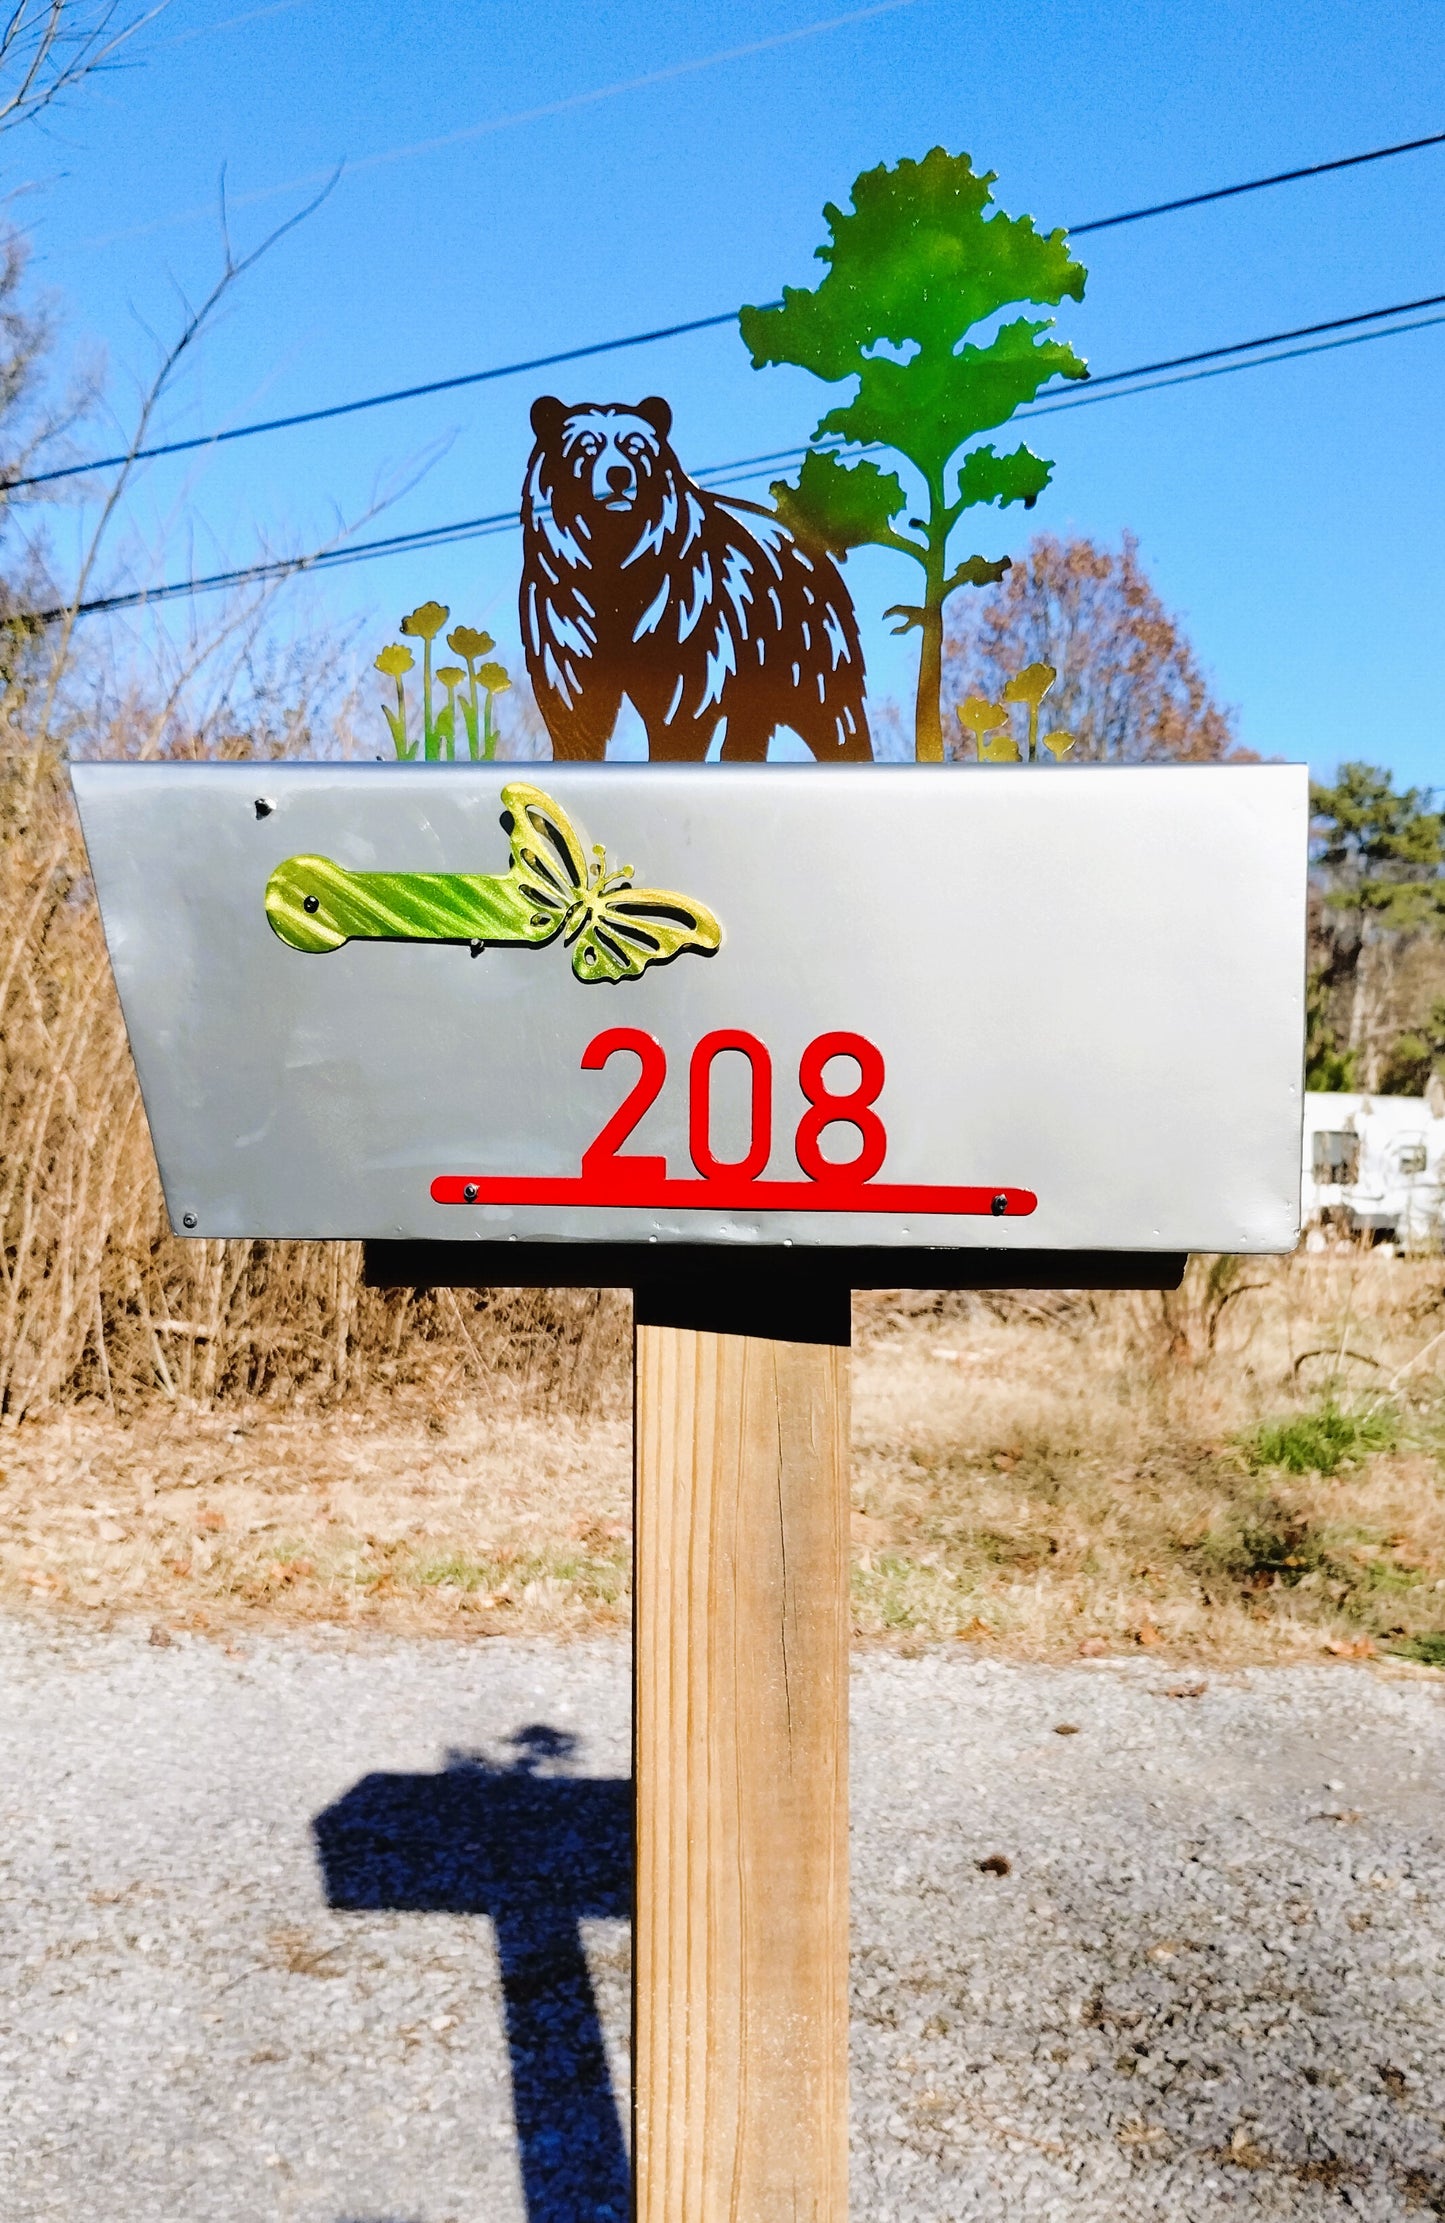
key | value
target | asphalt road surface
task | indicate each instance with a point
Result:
(338, 1933)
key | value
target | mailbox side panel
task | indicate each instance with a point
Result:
(1086, 984)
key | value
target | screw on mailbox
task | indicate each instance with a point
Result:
(264, 806)
(470, 1192)
(999, 1206)
(188, 1219)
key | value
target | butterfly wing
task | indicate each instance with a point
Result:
(549, 862)
(628, 929)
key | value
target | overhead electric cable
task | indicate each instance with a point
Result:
(659, 332)
(1259, 185)
(1222, 370)
(375, 401)
(757, 466)
(1270, 339)
(741, 469)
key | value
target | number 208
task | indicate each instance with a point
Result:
(826, 1107)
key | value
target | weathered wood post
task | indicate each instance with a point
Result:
(740, 2006)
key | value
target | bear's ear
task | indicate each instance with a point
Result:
(548, 416)
(656, 412)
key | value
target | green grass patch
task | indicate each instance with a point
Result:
(1321, 1441)
(598, 1579)
(1428, 1648)
(900, 1595)
(458, 1573)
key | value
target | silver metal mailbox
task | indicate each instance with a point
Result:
(1064, 1007)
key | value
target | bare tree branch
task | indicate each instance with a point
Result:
(48, 46)
(196, 319)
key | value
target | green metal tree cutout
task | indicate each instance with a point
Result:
(913, 267)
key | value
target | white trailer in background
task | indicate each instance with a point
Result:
(1375, 1165)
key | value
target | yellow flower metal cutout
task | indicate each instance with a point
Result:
(471, 711)
(982, 718)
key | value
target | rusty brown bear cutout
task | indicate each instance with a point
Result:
(637, 582)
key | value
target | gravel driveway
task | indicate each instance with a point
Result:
(339, 1935)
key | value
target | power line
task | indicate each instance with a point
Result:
(377, 401)
(660, 332)
(434, 536)
(744, 468)
(1271, 339)
(1222, 370)
(757, 466)
(1200, 355)
(1258, 185)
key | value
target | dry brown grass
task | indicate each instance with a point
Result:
(1038, 1476)
(468, 1523)
(1101, 1473)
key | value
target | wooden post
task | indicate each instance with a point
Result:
(740, 2007)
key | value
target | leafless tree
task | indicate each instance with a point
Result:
(1130, 688)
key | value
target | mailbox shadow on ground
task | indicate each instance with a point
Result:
(538, 1851)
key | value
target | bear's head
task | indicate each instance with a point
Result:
(603, 459)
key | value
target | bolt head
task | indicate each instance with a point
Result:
(470, 1192)
(999, 1206)
(188, 1219)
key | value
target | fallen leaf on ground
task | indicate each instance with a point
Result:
(997, 1864)
(300, 1955)
(600, 1534)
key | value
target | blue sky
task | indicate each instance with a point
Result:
(494, 208)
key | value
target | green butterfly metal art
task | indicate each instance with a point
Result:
(553, 886)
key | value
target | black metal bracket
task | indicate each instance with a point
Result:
(788, 1293)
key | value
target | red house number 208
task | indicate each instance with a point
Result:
(827, 1107)
(612, 1178)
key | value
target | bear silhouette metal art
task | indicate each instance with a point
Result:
(700, 608)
